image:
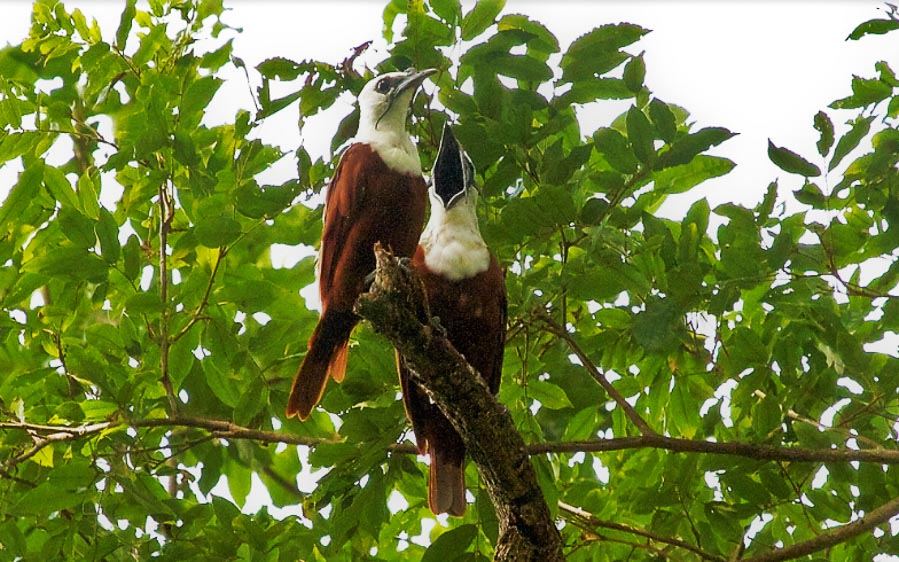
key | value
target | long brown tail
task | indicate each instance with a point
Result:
(446, 483)
(325, 357)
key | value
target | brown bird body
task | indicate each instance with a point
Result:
(377, 194)
(466, 290)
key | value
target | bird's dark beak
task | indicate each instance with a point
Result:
(453, 173)
(413, 80)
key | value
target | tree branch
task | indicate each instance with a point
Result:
(195, 317)
(166, 214)
(395, 307)
(591, 367)
(590, 520)
(732, 448)
(833, 536)
(46, 434)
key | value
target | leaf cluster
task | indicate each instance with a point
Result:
(139, 291)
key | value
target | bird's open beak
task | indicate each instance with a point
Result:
(453, 173)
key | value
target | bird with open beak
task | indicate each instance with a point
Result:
(377, 194)
(466, 290)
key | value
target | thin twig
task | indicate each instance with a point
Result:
(793, 414)
(557, 330)
(166, 213)
(594, 522)
(195, 317)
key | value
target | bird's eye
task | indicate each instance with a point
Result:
(382, 86)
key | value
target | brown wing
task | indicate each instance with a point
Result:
(345, 196)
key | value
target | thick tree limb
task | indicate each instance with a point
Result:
(394, 306)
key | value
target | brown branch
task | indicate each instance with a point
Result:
(732, 448)
(195, 317)
(793, 414)
(598, 376)
(228, 430)
(833, 536)
(44, 435)
(166, 214)
(595, 522)
(394, 306)
(42, 441)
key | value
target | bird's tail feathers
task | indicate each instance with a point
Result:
(327, 355)
(446, 483)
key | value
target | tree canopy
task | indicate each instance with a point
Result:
(720, 387)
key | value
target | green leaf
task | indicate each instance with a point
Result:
(850, 140)
(480, 18)
(77, 228)
(615, 149)
(663, 119)
(46, 499)
(766, 417)
(88, 200)
(686, 148)
(185, 149)
(639, 133)
(239, 483)
(893, 108)
(824, 126)
(447, 10)
(108, 233)
(598, 89)
(215, 232)
(522, 67)
(391, 11)
(654, 328)
(634, 73)
(678, 179)
(59, 187)
(789, 161)
(873, 27)
(70, 263)
(280, 68)
(865, 92)
(542, 40)
(121, 35)
(132, 254)
(144, 302)
(597, 52)
(451, 545)
(21, 195)
(548, 394)
(44, 457)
